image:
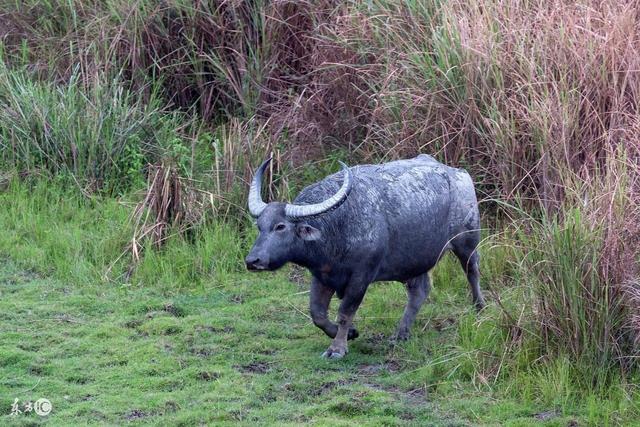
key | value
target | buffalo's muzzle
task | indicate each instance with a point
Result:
(254, 263)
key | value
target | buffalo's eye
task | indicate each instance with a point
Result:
(280, 227)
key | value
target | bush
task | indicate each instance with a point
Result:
(577, 313)
(101, 136)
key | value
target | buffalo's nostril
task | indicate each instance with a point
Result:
(252, 262)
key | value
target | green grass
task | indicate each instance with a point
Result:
(190, 338)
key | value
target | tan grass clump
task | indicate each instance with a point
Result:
(169, 204)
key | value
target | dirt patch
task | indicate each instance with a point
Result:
(329, 386)
(356, 405)
(372, 344)
(29, 346)
(78, 379)
(207, 376)
(202, 351)
(37, 369)
(168, 308)
(546, 415)
(174, 310)
(415, 396)
(171, 330)
(393, 366)
(20, 277)
(417, 393)
(139, 335)
(66, 318)
(171, 407)
(253, 368)
(135, 414)
(133, 323)
(325, 387)
(443, 324)
(214, 329)
(371, 369)
(25, 276)
(236, 299)
(376, 339)
(390, 366)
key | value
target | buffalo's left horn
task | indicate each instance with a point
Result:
(256, 204)
(299, 212)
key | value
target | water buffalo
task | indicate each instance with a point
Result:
(370, 223)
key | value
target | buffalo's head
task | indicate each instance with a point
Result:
(282, 226)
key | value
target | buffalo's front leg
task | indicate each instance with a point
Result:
(348, 307)
(319, 301)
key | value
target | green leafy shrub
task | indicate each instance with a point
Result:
(99, 137)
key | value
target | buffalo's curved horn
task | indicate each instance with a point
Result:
(298, 212)
(256, 204)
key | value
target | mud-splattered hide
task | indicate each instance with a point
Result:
(394, 223)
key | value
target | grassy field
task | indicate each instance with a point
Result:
(189, 338)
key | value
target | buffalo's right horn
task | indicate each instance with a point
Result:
(301, 212)
(256, 204)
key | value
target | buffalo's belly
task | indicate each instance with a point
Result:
(417, 241)
(405, 262)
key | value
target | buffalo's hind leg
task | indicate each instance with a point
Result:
(417, 292)
(470, 260)
(319, 301)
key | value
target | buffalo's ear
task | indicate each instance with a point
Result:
(307, 232)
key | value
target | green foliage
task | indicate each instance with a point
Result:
(577, 316)
(96, 233)
(100, 137)
(133, 163)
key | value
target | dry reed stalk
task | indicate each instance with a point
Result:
(169, 203)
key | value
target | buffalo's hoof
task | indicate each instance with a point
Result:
(353, 334)
(333, 353)
(399, 336)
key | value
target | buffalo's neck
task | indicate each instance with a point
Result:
(312, 256)
(323, 266)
